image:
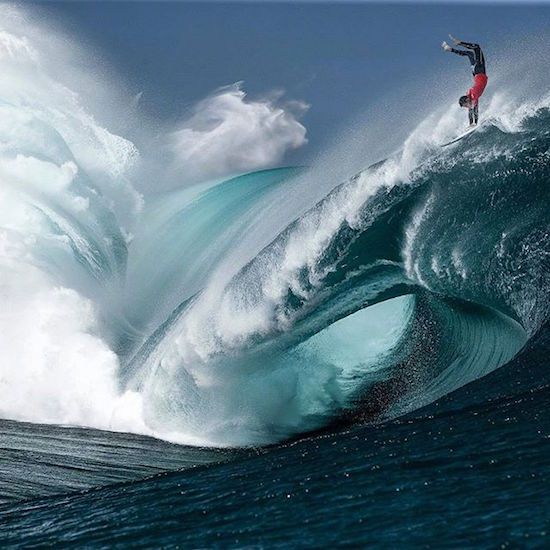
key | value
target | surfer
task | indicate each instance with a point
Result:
(477, 60)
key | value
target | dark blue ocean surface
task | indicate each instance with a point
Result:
(469, 471)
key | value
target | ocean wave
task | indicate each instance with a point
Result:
(463, 234)
(230, 314)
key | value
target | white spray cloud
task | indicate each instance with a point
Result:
(63, 178)
(228, 133)
(54, 366)
(66, 197)
(35, 100)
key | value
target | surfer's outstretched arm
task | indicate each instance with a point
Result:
(473, 114)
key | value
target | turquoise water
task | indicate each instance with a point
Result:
(287, 357)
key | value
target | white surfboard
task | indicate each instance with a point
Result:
(468, 132)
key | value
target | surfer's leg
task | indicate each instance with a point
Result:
(476, 113)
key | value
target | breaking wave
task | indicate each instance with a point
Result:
(232, 313)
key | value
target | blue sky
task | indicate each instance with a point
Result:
(336, 57)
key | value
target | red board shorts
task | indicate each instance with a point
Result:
(480, 81)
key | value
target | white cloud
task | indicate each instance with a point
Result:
(228, 133)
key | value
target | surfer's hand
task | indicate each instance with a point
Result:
(446, 46)
(456, 41)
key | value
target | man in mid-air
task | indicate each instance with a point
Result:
(477, 60)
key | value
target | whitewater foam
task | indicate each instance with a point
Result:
(62, 178)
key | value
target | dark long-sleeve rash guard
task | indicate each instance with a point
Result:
(476, 57)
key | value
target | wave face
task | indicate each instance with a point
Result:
(242, 312)
(403, 284)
